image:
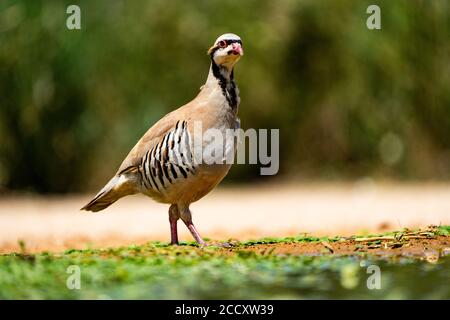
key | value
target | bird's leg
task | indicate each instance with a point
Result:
(186, 216)
(174, 215)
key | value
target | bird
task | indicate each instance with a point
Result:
(160, 165)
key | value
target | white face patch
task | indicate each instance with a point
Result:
(223, 55)
(227, 36)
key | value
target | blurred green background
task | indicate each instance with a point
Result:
(349, 101)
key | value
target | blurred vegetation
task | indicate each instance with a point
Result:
(349, 101)
(160, 271)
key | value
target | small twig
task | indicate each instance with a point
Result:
(419, 237)
(328, 246)
(375, 238)
(393, 238)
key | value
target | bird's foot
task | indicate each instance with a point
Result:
(204, 244)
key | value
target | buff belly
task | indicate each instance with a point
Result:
(186, 191)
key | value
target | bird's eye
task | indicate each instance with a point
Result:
(222, 44)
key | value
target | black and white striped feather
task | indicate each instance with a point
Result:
(169, 161)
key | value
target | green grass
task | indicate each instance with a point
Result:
(159, 271)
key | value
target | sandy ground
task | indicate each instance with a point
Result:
(429, 248)
(55, 223)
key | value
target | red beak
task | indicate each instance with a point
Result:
(237, 49)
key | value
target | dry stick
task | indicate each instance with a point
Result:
(392, 238)
(328, 246)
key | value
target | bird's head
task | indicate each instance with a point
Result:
(227, 50)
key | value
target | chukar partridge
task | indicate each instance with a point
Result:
(160, 164)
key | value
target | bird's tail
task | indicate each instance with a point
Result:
(119, 186)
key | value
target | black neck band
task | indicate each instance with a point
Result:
(228, 86)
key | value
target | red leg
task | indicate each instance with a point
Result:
(195, 233)
(173, 219)
(186, 216)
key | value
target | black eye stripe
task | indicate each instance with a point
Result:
(228, 42)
